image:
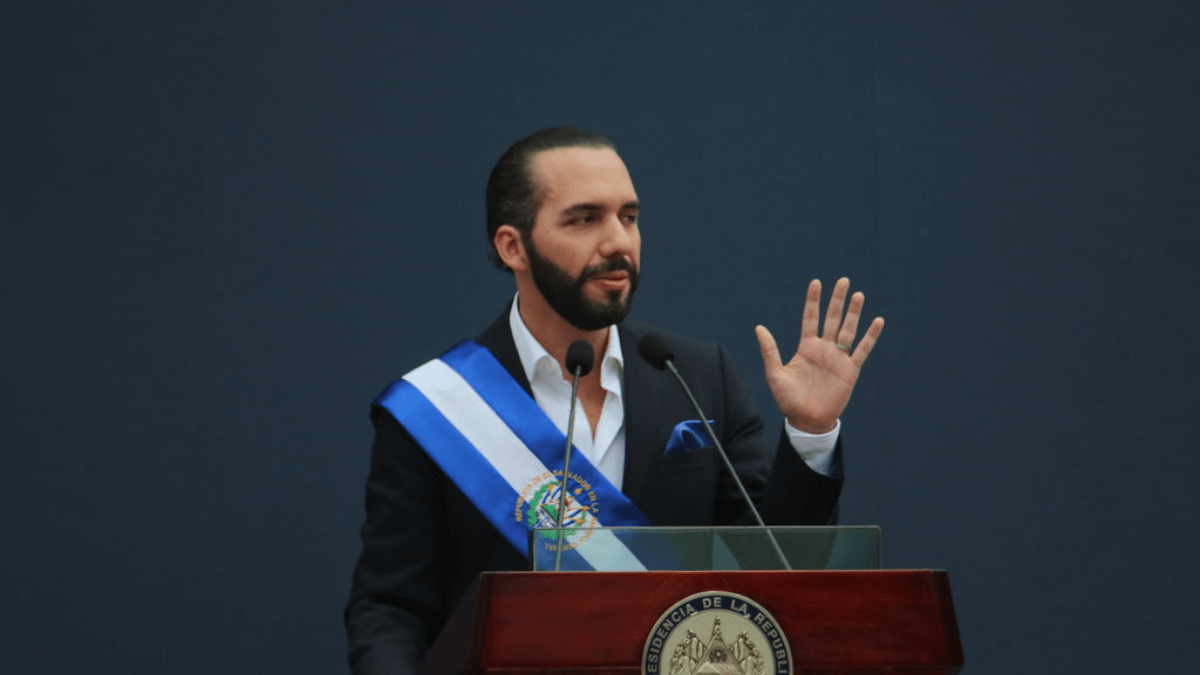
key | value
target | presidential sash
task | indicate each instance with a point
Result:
(489, 436)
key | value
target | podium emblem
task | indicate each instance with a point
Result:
(716, 632)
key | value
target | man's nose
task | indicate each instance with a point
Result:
(618, 237)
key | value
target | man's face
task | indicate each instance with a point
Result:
(584, 250)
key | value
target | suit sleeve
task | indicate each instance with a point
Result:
(396, 594)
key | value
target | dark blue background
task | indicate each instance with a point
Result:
(226, 227)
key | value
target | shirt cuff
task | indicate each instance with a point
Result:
(815, 449)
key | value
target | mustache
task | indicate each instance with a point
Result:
(608, 267)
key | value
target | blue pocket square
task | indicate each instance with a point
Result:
(686, 437)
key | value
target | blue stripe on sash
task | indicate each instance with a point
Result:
(482, 484)
(496, 386)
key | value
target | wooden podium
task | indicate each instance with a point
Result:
(898, 622)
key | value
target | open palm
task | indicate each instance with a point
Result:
(814, 386)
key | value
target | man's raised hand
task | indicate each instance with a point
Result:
(813, 388)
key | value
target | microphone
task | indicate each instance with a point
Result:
(658, 354)
(654, 350)
(580, 359)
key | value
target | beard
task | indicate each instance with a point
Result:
(566, 296)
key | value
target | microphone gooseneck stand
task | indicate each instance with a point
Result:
(654, 350)
(579, 361)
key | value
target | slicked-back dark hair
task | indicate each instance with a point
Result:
(512, 197)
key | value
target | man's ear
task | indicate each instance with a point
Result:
(510, 248)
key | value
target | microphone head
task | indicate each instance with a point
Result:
(580, 357)
(653, 349)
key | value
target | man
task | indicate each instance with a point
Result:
(563, 219)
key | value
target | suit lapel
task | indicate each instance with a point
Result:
(497, 339)
(643, 412)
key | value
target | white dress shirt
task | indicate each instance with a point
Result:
(606, 449)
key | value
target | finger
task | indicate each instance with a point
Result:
(850, 325)
(863, 350)
(811, 318)
(770, 351)
(833, 316)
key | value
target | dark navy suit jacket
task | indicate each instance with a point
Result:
(424, 542)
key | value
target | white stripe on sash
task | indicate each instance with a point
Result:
(458, 402)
